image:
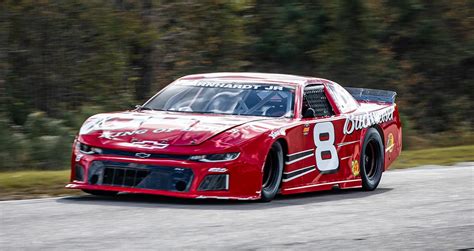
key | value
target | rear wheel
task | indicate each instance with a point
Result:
(100, 192)
(272, 173)
(372, 159)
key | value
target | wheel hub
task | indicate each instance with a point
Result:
(370, 164)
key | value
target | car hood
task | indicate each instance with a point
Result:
(152, 129)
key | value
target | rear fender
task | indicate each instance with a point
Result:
(391, 134)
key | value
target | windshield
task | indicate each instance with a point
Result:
(221, 97)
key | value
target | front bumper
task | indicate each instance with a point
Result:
(238, 179)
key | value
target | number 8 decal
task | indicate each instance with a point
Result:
(326, 153)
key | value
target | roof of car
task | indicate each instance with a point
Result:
(272, 77)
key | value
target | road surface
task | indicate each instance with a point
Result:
(419, 208)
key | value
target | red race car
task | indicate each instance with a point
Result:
(241, 136)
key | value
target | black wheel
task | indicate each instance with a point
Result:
(371, 160)
(272, 172)
(100, 192)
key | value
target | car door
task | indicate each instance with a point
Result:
(333, 150)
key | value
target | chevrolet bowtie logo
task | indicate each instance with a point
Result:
(142, 155)
(150, 144)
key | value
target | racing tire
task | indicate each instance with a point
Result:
(272, 173)
(371, 160)
(100, 192)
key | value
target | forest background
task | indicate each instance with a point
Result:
(62, 61)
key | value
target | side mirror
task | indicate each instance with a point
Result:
(309, 113)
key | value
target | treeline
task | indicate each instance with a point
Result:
(69, 59)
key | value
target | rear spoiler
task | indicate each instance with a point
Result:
(372, 95)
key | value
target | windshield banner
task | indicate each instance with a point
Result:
(236, 85)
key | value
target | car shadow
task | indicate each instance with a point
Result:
(142, 200)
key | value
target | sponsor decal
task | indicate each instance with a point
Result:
(217, 170)
(112, 135)
(234, 130)
(104, 122)
(306, 129)
(355, 168)
(390, 143)
(235, 85)
(358, 122)
(160, 130)
(123, 122)
(277, 133)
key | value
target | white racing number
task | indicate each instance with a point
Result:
(326, 153)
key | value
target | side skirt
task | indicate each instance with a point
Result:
(343, 184)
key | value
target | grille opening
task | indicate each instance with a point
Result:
(123, 177)
(78, 173)
(180, 185)
(123, 174)
(93, 180)
(214, 182)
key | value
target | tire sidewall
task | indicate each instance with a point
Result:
(372, 183)
(269, 194)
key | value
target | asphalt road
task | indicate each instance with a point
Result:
(421, 208)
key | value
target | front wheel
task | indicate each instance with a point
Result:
(372, 160)
(272, 173)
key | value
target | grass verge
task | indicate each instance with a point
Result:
(37, 184)
(34, 184)
(435, 156)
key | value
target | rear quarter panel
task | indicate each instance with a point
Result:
(348, 145)
(390, 132)
(392, 138)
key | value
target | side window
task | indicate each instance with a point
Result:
(314, 97)
(344, 100)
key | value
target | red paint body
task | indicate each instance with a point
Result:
(196, 134)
